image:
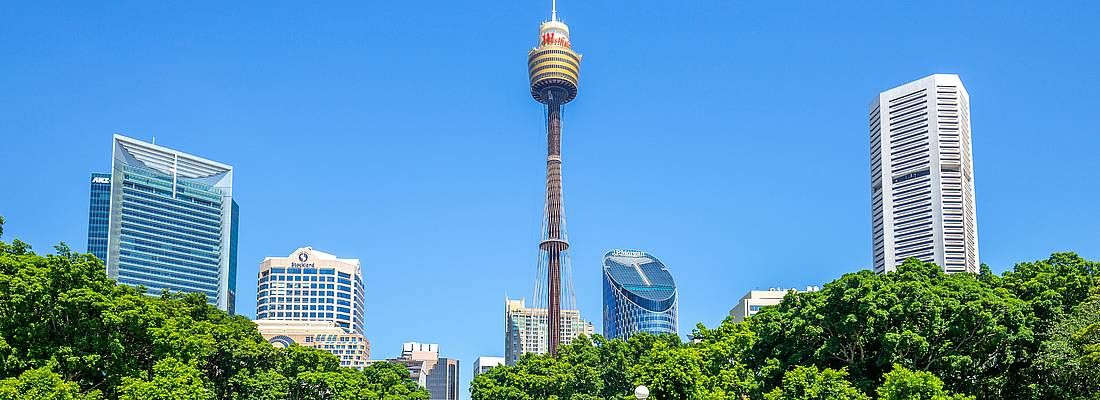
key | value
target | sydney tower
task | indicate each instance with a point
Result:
(554, 68)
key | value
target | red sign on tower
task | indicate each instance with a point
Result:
(554, 39)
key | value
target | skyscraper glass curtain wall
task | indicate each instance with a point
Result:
(171, 222)
(639, 295)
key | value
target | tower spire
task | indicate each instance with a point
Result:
(553, 10)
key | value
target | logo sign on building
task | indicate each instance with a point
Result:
(303, 257)
(101, 179)
(627, 253)
(552, 38)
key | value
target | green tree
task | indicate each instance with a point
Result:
(66, 328)
(905, 384)
(811, 383)
(377, 382)
(171, 379)
(1052, 287)
(261, 384)
(42, 384)
(962, 329)
(724, 351)
(1068, 364)
(670, 372)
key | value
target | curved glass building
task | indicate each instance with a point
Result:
(639, 295)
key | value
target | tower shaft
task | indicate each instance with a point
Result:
(554, 240)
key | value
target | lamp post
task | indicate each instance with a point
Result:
(641, 392)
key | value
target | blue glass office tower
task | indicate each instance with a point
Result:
(99, 214)
(639, 295)
(171, 222)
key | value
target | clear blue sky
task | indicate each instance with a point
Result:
(729, 138)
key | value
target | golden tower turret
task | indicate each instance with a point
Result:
(553, 66)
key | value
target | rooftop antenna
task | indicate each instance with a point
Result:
(554, 10)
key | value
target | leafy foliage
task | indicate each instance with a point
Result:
(1069, 363)
(42, 383)
(69, 332)
(913, 334)
(904, 384)
(810, 383)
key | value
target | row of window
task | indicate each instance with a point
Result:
(545, 75)
(163, 245)
(155, 287)
(549, 66)
(555, 59)
(297, 307)
(200, 224)
(167, 198)
(264, 299)
(296, 314)
(160, 264)
(307, 271)
(297, 278)
(141, 269)
(157, 228)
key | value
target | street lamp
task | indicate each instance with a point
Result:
(641, 392)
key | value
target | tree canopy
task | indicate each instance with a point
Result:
(69, 332)
(913, 334)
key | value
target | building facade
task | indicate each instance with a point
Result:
(639, 295)
(526, 329)
(99, 215)
(922, 176)
(314, 299)
(166, 220)
(439, 375)
(755, 300)
(352, 348)
(484, 363)
(311, 285)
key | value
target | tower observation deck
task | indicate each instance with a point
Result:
(554, 69)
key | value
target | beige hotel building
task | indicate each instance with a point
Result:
(314, 299)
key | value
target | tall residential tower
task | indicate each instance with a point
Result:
(166, 220)
(922, 176)
(525, 329)
(554, 69)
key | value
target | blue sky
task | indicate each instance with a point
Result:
(728, 138)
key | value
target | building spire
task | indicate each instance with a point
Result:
(553, 10)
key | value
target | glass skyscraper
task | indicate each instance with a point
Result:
(99, 215)
(166, 220)
(639, 295)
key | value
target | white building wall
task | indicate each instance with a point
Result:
(922, 178)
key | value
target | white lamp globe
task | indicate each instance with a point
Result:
(641, 392)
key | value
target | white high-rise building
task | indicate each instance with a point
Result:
(922, 176)
(525, 329)
(314, 299)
